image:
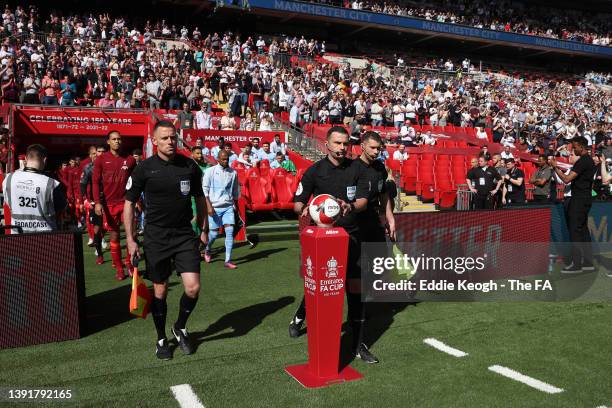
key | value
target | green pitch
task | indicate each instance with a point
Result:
(241, 326)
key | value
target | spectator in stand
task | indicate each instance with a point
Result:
(154, 92)
(429, 139)
(266, 153)
(513, 192)
(376, 112)
(265, 125)
(484, 152)
(255, 149)
(506, 153)
(185, 119)
(227, 147)
(508, 140)
(122, 102)
(541, 179)
(245, 159)
(31, 86)
(384, 154)
(400, 154)
(281, 162)
(481, 134)
(228, 122)
(50, 86)
(68, 92)
(277, 146)
(107, 102)
(138, 96)
(203, 119)
(214, 152)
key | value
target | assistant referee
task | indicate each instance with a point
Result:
(168, 181)
(371, 229)
(336, 176)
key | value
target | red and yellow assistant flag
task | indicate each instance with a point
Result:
(140, 299)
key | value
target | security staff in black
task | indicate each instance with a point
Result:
(336, 176)
(578, 207)
(168, 181)
(484, 182)
(514, 185)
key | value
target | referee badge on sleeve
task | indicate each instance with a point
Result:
(350, 192)
(185, 187)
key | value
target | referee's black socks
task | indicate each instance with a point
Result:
(159, 310)
(187, 305)
(98, 244)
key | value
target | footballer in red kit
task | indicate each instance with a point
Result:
(111, 172)
(83, 197)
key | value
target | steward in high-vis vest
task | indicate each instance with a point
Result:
(35, 200)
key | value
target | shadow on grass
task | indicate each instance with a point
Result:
(258, 255)
(380, 317)
(241, 321)
(110, 308)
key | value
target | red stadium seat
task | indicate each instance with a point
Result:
(259, 196)
(282, 189)
(445, 194)
(264, 168)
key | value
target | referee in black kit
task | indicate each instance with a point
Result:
(335, 175)
(168, 180)
(578, 206)
(371, 230)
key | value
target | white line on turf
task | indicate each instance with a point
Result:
(532, 382)
(437, 344)
(602, 406)
(185, 396)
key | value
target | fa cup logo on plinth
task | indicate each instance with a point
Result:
(309, 267)
(332, 268)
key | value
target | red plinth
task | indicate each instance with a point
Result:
(324, 256)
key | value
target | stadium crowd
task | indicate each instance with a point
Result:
(500, 15)
(102, 61)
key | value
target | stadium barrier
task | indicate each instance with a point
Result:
(42, 291)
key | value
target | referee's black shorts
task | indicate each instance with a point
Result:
(163, 246)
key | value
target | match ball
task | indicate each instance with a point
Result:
(324, 210)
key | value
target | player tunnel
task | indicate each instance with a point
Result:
(69, 131)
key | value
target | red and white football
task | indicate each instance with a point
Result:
(324, 210)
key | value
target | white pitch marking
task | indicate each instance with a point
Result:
(185, 396)
(437, 344)
(532, 382)
(602, 406)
